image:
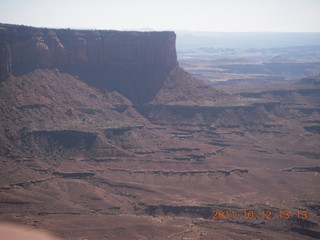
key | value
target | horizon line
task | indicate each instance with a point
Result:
(154, 30)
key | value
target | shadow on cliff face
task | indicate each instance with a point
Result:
(139, 85)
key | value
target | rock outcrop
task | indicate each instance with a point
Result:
(132, 63)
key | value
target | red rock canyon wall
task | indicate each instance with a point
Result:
(121, 61)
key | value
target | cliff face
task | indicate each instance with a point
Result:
(121, 61)
(5, 56)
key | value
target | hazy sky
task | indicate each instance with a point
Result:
(201, 15)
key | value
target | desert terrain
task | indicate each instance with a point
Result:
(111, 135)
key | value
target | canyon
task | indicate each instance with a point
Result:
(104, 135)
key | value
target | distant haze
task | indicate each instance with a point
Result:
(200, 15)
(187, 40)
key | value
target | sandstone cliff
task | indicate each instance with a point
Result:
(128, 62)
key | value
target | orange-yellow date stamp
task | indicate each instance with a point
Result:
(255, 214)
